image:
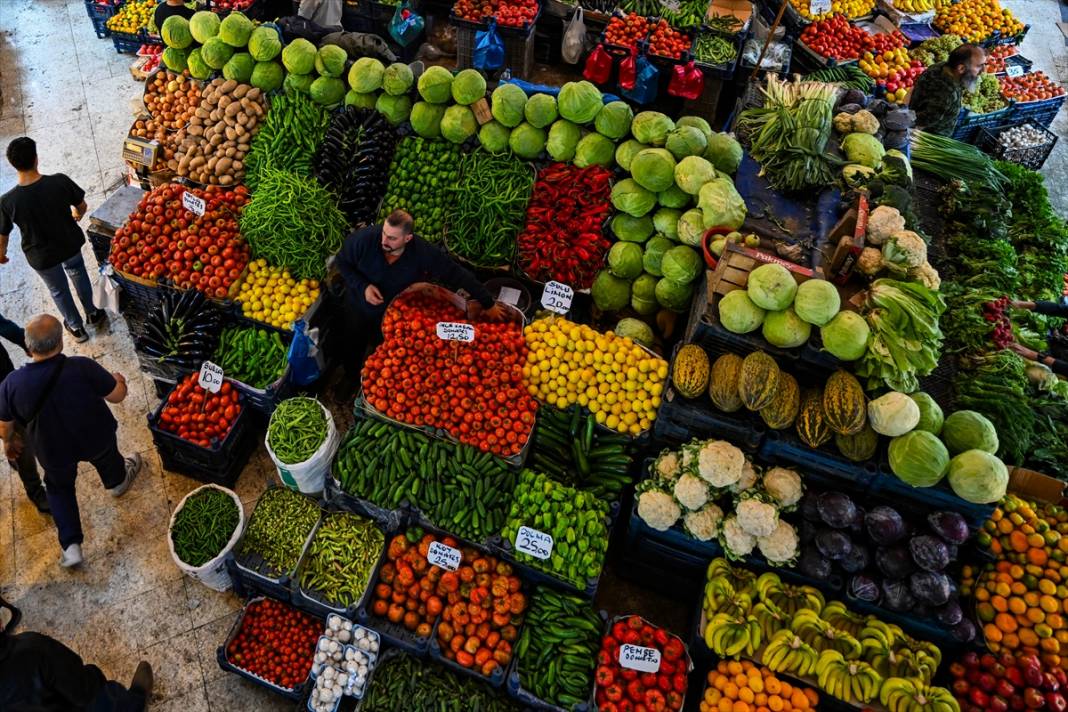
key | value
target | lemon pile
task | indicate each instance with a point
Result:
(132, 16)
(850, 8)
(271, 295)
(617, 380)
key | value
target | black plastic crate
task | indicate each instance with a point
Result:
(969, 123)
(341, 500)
(141, 298)
(939, 497)
(496, 680)
(99, 14)
(1016, 60)
(721, 71)
(785, 448)
(999, 39)
(514, 688)
(101, 245)
(1033, 157)
(127, 42)
(266, 399)
(1040, 113)
(518, 47)
(680, 420)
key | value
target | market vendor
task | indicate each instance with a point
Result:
(1057, 365)
(167, 8)
(936, 97)
(1056, 309)
(379, 262)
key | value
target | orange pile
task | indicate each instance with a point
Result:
(976, 20)
(743, 687)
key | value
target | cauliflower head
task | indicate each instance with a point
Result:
(903, 251)
(926, 275)
(703, 524)
(865, 122)
(748, 479)
(784, 486)
(756, 513)
(658, 509)
(719, 463)
(883, 222)
(843, 123)
(691, 491)
(870, 262)
(737, 543)
(668, 466)
(781, 546)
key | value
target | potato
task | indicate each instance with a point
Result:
(237, 166)
(230, 134)
(232, 109)
(196, 130)
(226, 179)
(197, 162)
(222, 166)
(228, 86)
(224, 101)
(240, 91)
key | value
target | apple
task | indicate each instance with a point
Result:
(987, 682)
(979, 698)
(988, 661)
(961, 688)
(998, 704)
(1014, 675)
(1005, 688)
(1033, 698)
(970, 659)
(1016, 702)
(1033, 675)
(1055, 702)
(1049, 682)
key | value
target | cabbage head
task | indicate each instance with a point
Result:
(610, 293)
(846, 336)
(644, 287)
(696, 122)
(176, 60)
(540, 110)
(785, 329)
(682, 264)
(563, 139)
(507, 104)
(435, 85)
(692, 172)
(931, 418)
(632, 229)
(771, 287)
(919, 458)
(494, 137)
(458, 123)
(614, 119)
(969, 430)
(175, 32)
(653, 259)
(721, 204)
(724, 152)
(264, 44)
(653, 169)
(330, 62)
(626, 152)
(625, 260)
(632, 199)
(580, 102)
(426, 119)
(674, 197)
(893, 414)
(239, 68)
(366, 75)
(298, 56)
(666, 222)
(235, 29)
(738, 314)
(468, 87)
(324, 90)
(979, 477)
(352, 98)
(691, 228)
(397, 79)
(817, 301)
(204, 25)
(268, 76)
(396, 109)
(636, 330)
(198, 68)
(594, 149)
(216, 53)
(651, 128)
(686, 141)
(673, 296)
(864, 149)
(301, 84)
(526, 141)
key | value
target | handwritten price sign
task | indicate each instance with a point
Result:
(455, 331)
(635, 657)
(1014, 70)
(556, 297)
(444, 556)
(211, 377)
(531, 541)
(819, 7)
(193, 204)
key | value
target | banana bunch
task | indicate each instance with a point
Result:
(770, 619)
(893, 653)
(879, 636)
(718, 592)
(822, 636)
(788, 599)
(741, 579)
(842, 618)
(787, 653)
(931, 650)
(852, 681)
(914, 7)
(900, 694)
(730, 636)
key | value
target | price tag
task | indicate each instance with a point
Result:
(1014, 70)
(556, 297)
(455, 331)
(531, 541)
(635, 657)
(819, 7)
(444, 556)
(193, 204)
(211, 377)
(509, 296)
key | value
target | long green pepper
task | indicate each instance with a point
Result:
(251, 355)
(204, 525)
(490, 208)
(341, 557)
(287, 139)
(280, 525)
(297, 429)
(401, 681)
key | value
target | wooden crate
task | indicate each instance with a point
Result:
(1035, 485)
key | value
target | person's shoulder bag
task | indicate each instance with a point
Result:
(15, 447)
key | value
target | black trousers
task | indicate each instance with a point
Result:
(359, 334)
(63, 496)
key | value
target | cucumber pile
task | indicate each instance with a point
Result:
(571, 449)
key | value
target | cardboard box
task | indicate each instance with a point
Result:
(848, 238)
(1035, 485)
(742, 9)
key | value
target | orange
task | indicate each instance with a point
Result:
(725, 705)
(756, 683)
(1049, 604)
(773, 686)
(760, 700)
(1017, 605)
(992, 633)
(798, 700)
(741, 680)
(734, 667)
(745, 695)
(1000, 603)
(720, 682)
(813, 696)
(775, 703)
(740, 706)
(730, 691)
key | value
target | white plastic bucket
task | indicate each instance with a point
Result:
(309, 477)
(212, 574)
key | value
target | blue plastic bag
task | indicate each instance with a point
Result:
(305, 358)
(645, 84)
(406, 25)
(489, 49)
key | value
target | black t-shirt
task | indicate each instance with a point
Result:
(41, 210)
(163, 11)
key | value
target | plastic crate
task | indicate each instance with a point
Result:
(158, 370)
(127, 42)
(341, 500)
(1016, 60)
(101, 245)
(836, 471)
(266, 399)
(514, 688)
(141, 294)
(999, 39)
(518, 45)
(721, 71)
(940, 497)
(99, 14)
(1040, 113)
(381, 13)
(809, 60)
(1032, 157)
(679, 420)
(916, 32)
(969, 123)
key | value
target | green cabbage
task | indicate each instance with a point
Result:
(632, 229)
(216, 53)
(817, 301)
(527, 141)
(977, 476)
(352, 98)
(397, 79)
(235, 29)
(653, 259)
(435, 85)
(298, 56)
(785, 329)
(686, 141)
(674, 197)
(264, 44)
(673, 295)
(240, 67)
(666, 222)
(682, 264)
(691, 228)
(268, 76)
(468, 87)
(846, 336)
(594, 149)
(614, 120)
(720, 204)
(204, 25)
(198, 68)
(919, 458)
(864, 149)
(301, 84)
(651, 128)
(653, 169)
(324, 90)
(458, 123)
(175, 32)
(610, 293)
(738, 314)
(563, 139)
(494, 137)
(969, 430)
(426, 119)
(507, 104)
(330, 62)
(692, 172)
(396, 109)
(645, 307)
(176, 60)
(931, 418)
(724, 152)
(698, 123)
(579, 102)
(636, 330)
(625, 260)
(771, 286)
(626, 152)
(644, 287)
(540, 110)
(631, 198)
(893, 414)
(366, 74)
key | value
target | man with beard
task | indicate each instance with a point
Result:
(379, 262)
(936, 97)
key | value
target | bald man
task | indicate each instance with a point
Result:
(62, 403)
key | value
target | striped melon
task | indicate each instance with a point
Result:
(689, 373)
(758, 380)
(723, 382)
(844, 404)
(860, 446)
(782, 411)
(811, 424)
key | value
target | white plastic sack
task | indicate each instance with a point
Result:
(106, 292)
(309, 477)
(213, 574)
(573, 44)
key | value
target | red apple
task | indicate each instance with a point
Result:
(988, 661)
(961, 688)
(1049, 682)
(1055, 702)
(1033, 698)
(987, 682)
(998, 704)
(979, 698)
(1016, 702)
(1005, 688)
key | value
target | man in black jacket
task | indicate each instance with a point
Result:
(378, 263)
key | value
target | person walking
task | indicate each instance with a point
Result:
(46, 209)
(26, 463)
(62, 404)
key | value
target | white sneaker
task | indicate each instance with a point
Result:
(133, 466)
(72, 556)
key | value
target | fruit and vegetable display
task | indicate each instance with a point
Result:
(936, 49)
(835, 37)
(409, 591)
(354, 159)
(204, 524)
(212, 147)
(850, 9)
(297, 429)
(714, 49)
(199, 416)
(1022, 137)
(626, 31)
(426, 686)
(132, 16)
(1008, 681)
(987, 96)
(421, 179)
(905, 340)
(234, 47)
(171, 100)
(181, 331)
(341, 556)
(976, 20)
(571, 448)
(271, 295)
(454, 486)
(287, 139)
(666, 41)
(473, 391)
(256, 357)
(689, 14)
(482, 231)
(576, 521)
(507, 13)
(619, 685)
(733, 682)
(275, 642)
(892, 70)
(275, 535)
(1033, 86)
(996, 58)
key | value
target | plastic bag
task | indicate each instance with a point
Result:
(213, 573)
(406, 25)
(489, 49)
(646, 78)
(574, 38)
(687, 81)
(628, 70)
(598, 67)
(106, 292)
(305, 358)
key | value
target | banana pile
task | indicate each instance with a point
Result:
(914, 7)
(792, 630)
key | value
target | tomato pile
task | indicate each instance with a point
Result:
(163, 239)
(619, 688)
(406, 592)
(626, 31)
(197, 415)
(995, 58)
(1030, 87)
(835, 37)
(666, 41)
(275, 642)
(513, 13)
(472, 390)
